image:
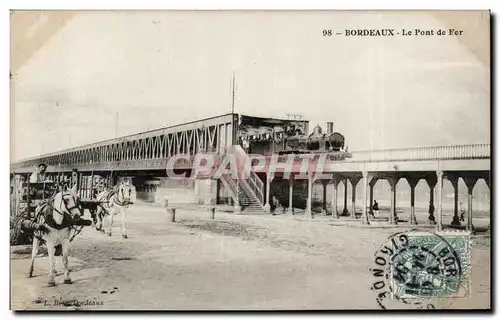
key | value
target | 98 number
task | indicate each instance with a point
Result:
(327, 33)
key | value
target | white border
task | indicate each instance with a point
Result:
(256, 4)
(198, 5)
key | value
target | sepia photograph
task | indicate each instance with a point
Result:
(250, 160)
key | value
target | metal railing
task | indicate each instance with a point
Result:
(254, 183)
(469, 151)
(230, 184)
(257, 186)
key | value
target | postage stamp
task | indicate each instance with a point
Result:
(416, 267)
(208, 160)
(431, 265)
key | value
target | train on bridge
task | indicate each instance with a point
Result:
(332, 143)
(266, 136)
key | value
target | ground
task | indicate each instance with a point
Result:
(233, 262)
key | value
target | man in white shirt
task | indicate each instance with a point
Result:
(39, 175)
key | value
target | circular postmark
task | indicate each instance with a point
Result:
(414, 268)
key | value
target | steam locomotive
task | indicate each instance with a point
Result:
(332, 143)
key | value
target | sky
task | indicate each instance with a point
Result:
(156, 69)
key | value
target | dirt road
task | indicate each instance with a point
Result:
(234, 262)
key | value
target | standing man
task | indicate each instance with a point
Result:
(462, 211)
(39, 175)
(375, 209)
(432, 219)
(26, 219)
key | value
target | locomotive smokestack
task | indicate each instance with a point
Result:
(329, 127)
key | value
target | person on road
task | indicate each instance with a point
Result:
(375, 208)
(432, 219)
(462, 211)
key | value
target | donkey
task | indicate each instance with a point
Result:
(110, 203)
(56, 216)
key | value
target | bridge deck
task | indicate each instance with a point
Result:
(452, 158)
(207, 135)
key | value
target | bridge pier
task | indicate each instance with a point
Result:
(335, 213)
(323, 210)
(310, 181)
(454, 182)
(269, 179)
(393, 217)
(218, 186)
(206, 191)
(290, 196)
(431, 182)
(372, 184)
(412, 181)
(439, 175)
(354, 182)
(345, 212)
(366, 181)
(470, 182)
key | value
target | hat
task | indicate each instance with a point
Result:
(42, 165)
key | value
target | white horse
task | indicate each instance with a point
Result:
(111, 202)
(57, 216)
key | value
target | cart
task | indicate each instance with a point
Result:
(25, 197)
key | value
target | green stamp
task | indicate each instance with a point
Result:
(431, 265)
